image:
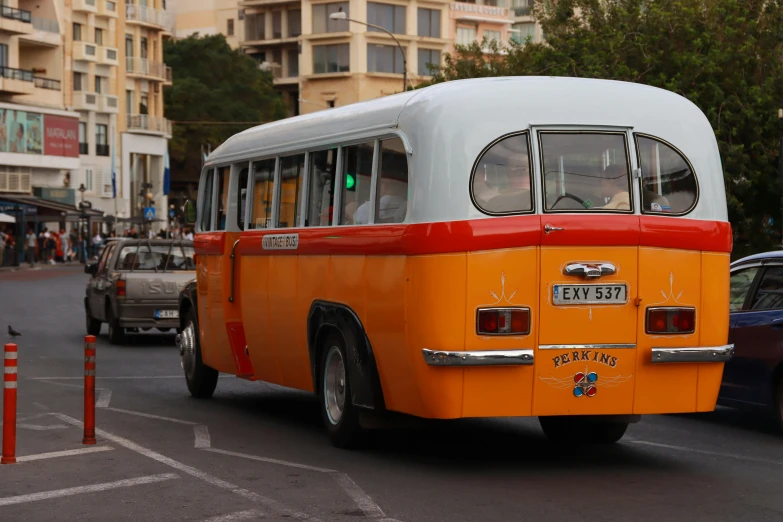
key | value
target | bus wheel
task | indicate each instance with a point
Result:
(340, 416)
(583, 430)
(201, 379)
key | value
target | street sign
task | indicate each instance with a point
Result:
(149, 213)
(171, 214)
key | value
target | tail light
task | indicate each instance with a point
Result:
(503, 321)
(120, 288)
(672, 320)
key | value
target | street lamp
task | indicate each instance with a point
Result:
(340, 15)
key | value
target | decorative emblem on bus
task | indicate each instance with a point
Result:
(585, 384)
(280, 242)
(670, 297)
(502, 292)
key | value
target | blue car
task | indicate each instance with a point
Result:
(753, 378)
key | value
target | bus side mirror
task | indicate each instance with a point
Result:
(190, 211)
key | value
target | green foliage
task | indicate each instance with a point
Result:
(213, 83)
(726, 56)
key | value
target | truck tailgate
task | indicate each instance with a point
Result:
(152, 286)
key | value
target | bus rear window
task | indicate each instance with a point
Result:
(585, 172)
(668, 182)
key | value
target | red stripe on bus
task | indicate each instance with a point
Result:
(209, 243)
(499, 233)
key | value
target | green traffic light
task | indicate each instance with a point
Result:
(350, 181)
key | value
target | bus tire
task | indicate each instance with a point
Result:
(339, 414)
(116, 332)
(200, 378)
(582, 430)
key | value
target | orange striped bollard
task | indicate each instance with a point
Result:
(89, 390)
(9, 404)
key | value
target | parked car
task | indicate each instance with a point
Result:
(753, 378)
(135, 284)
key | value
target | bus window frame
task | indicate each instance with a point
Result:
(202, 198)
(637, 135)
(630, 160)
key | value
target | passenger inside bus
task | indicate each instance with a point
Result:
(614, 185)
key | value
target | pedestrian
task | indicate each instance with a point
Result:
(31, 244)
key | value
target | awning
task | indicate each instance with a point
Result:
(52, 207)
(5, 218)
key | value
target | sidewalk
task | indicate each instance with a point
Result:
(38, 266)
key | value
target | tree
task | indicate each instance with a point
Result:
(213, 83)
(723, 55)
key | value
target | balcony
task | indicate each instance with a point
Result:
(263, 3)
(16, 180)
(85, 51)
(466, 12)
(145, 123)
(15, 21)
(147, 15)
(45, 32)
(108, 103)
(47, 83)
(108, 56)
(108, 8)
(85, 6)
(16, 81)
(148, 69)
(85, 101)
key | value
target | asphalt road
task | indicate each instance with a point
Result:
(258, 452)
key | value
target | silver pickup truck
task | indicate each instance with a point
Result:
(135, 285)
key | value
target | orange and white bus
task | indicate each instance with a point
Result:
(551, 247)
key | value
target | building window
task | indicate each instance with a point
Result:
(144, 47)
(101, 140)
(83, 145)
(277, 24)
(331, 58)
(144, 104)
(128, 46)
(293, 63)
(98, 84)
(294, 23)
(88, 179)
(522, 7)
(78, 81)
(428, 57)
(230, 27)
(492, 35)
(521, 32)
(390, 17)
(384, 59)
(129, 101)
(466, 35)
(98, 36)
(323, 24)
(255, 27)
(3, 55)
(77, 32)
(429, 22)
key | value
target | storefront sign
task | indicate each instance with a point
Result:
(60, 195)
(479, 9)
(25, 132)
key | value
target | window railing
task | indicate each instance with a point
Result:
(146, 122)
(84, 148)
(13, 13)
(45, 24)
(147, 67)
(149, 15)
(47, 83)
(16, 74)
(523, 10)
(101, 150)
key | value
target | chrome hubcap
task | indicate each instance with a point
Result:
(186, 342)
(334, 385)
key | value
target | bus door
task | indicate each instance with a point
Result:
(589, 275)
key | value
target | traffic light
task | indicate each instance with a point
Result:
(350, 182)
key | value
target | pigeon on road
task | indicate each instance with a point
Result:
(13, 333)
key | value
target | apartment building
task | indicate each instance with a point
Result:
(525, 26)
(208, 17)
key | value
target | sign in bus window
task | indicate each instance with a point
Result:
(263, 191)
(357, 174)
(391, 204)
(323, 167)
(586, 171)
(291, 177)
(501, 181)
(668, 183)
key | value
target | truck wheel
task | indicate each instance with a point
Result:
(201, 379)
(93, 325)
(582, 430)
(116, 332)
(779, 401)
(340, 416)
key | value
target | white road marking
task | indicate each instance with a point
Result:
(103, 399)
(38, 427)
(272, 504)
(150, 416)
(107, 378)
(67, 453)
(357, 494)
(239, 515)
(46, 495)
(38, 404)
(202, 436)
(704, 452)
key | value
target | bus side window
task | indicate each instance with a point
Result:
(263, 190)
(357, 173)
(668, 182)
(291, 178)
(206, 206)
(391, 203)
(222, 199)
(501, 181)
(323, 167)
(242, 193)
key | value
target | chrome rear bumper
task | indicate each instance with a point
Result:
(478, 358)
(699, 354)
